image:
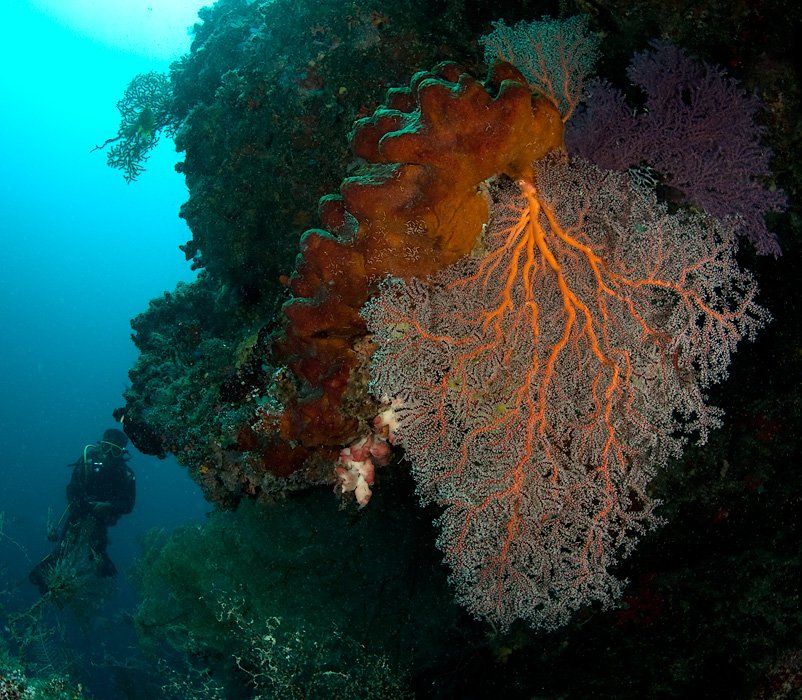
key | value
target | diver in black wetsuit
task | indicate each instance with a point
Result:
(102, 489)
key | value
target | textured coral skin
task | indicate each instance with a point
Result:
(417, 207)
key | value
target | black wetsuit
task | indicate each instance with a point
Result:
(102, 489)
(100, 478)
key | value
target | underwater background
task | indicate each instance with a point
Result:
(265, 557)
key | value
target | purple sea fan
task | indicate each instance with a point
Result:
(697, 129)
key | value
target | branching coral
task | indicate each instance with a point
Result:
(145, 111)
(555, 56)
(697, 130)
(543, 381)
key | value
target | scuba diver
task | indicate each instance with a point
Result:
(102, 489)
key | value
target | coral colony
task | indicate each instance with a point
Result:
(144, 113)
(529, 285)
(551, 346)
(696, 131)
(541, 384)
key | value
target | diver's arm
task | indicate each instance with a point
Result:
(76, 490)
(130, 490)
(123, 501)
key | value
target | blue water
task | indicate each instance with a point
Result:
(81, 253)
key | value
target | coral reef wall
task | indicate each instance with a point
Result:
(263, 106)
(265, 101)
